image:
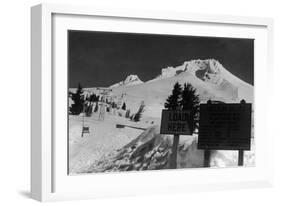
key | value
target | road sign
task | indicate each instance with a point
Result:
(225, 127)
(175, 122)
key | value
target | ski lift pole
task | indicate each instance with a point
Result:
(84, 128)
(83, 115)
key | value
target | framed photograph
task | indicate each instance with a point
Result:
(140, 102)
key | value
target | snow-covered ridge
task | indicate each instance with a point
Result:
(170, 72)
(212, 74)
(211, 70)
(206, 70)
(130, 80)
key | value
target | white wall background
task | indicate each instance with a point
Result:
(15, 101)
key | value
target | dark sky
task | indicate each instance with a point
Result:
(105, 58)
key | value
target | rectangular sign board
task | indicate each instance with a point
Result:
(225, 127)
(175, 122)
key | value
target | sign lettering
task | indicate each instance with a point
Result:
(225, 127)
(175, 122)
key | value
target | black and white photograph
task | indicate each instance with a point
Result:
(139, 101)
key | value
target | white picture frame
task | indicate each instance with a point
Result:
(48, 179)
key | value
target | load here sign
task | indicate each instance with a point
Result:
(175, 122)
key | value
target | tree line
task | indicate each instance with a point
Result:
(84, 104)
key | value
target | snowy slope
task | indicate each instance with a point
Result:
(151, 151)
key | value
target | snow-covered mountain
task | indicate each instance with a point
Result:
(130, 80)
(210, 79)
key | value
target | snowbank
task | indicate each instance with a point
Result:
(151, 151)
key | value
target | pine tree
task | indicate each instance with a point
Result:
(96, 107)
(114, 105)
(190, 101)
(138, 115)
(89, 110)
(173, 101)
(94, 98)
(127, 115)
(124, 106)
(78, 100)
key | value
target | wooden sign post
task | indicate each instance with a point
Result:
(174, 154)
(207, 157)
(240, 157)
(175, 122)
(225, 127)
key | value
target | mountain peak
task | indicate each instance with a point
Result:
(211, 65)
(131, 79)
(208, 74)
(191, 66)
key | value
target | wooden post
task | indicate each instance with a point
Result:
(207, 156)
(241, 152)
(173, 163)
(240, 157)
(207, 153)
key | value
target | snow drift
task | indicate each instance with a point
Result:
(152, 151)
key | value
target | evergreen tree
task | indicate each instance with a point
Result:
(138, 115)
(124, 106)
(89, 110)
(78, 100)
(190, 101)
(173, 101)
(86, 97)
(113, 105)
(127, 115)
(132, 117)
(96, 107)
(185, 99)
(94, 98)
